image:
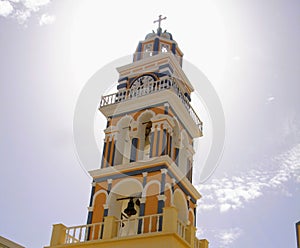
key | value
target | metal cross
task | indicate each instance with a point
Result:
(159, 20)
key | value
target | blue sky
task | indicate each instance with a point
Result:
(249, 50)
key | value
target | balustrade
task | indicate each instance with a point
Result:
(150, 88)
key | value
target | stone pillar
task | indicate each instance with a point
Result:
(110, 227)
(190, 234)
(169, 220)
(58, 235)
(203, 243)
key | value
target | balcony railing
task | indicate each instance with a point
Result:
(125, 227)
(150, 88)
(83, 233)
(139, 225)
(111, 229)
(181, 229)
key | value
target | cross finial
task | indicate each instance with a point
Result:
(159, 20)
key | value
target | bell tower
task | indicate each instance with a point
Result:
(143, 194)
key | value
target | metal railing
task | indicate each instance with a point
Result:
(150, 88)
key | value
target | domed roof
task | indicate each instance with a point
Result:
(159, 32)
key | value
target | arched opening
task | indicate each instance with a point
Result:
(151, 193)
(118, 201)
(148, 127)
(98, 214)
(176, 142)
(144, 133)
(122, 152)
(183, 162)
(168, 195)
(181, 205)
(191, 217)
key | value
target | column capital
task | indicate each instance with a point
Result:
(163, 171)
(161, 197)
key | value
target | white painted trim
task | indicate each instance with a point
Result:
(168, 186)
(125, 180)
(144, 194)
(101, 191)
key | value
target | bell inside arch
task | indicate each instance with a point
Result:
(130, 210)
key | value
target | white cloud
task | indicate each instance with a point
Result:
(5, 8)
(270, 99)
(46, 19)
(35, 5)
(22, 10)
(22, 15)
(227, 237)
(221, 238)
(229, 193)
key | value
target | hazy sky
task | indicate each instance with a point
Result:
(249, 50)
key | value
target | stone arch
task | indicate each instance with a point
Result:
(191, 217)
(169, 195)
(151, 193)
(99, 201)
(125, 188)
(183, 163)
(144, 125)
(181, 205)
(122, 152)
(144, 194)
(176, 141)
(101, 191)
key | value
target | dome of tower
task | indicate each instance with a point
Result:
(159, 32)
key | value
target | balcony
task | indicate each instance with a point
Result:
(167, 84)
(148, 231)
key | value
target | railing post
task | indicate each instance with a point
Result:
(169, 220)
(58, 235)
(110, 227)
(190, 235)
(203, 243)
